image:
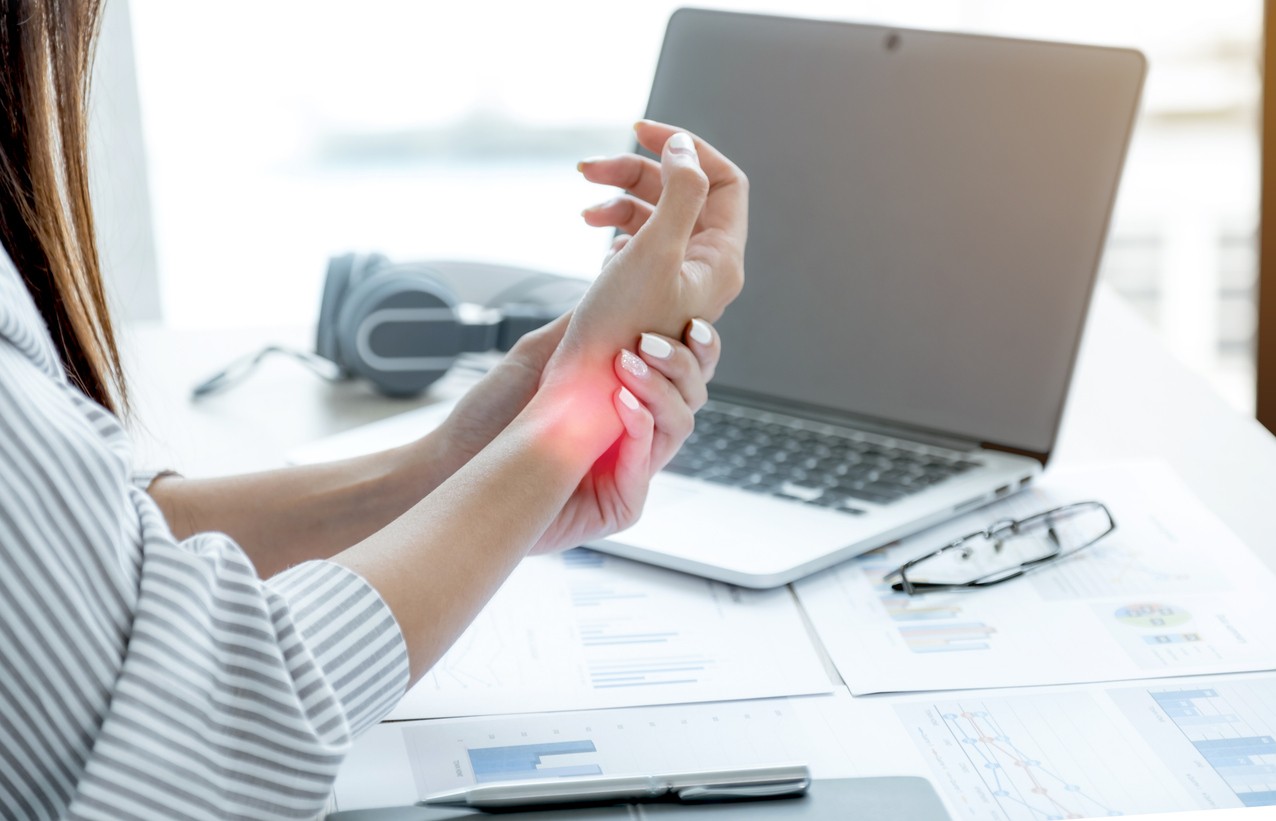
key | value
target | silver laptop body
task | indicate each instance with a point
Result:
(927, 215)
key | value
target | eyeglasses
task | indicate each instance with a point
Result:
(1005, 550)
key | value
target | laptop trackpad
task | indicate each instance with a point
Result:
(687, 521)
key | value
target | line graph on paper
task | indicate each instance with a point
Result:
(1014, 776)
(1035, 758)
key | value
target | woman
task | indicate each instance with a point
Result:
(210, 648)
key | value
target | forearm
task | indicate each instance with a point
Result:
(291, 515)
(439, 563)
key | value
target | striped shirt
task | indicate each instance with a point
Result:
(142, 677)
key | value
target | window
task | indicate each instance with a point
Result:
(281, 133)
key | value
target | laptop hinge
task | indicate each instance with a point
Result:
(1031, 454)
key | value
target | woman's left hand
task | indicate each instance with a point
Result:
(663, 384)
(489, 406)
(667, 377)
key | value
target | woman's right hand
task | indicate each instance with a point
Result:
(683, 224)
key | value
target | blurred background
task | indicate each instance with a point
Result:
(279, 133)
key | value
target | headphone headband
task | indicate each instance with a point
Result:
(403, 325)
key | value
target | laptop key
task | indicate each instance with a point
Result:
(837, 502)
(888, 489)
(867, 495)
(813, 463)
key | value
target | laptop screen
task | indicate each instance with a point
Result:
(927, 212)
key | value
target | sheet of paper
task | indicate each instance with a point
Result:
(1171, 592)
(1097, 750)
(401, 762)
(1079, 751)
(583, 630)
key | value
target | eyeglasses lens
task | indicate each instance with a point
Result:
(1037, 539)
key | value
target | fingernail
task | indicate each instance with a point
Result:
(653, 345)
(600, 206)
(681, 143)
(580, 166)
(701, 332)
(633, 363)
(629, 399)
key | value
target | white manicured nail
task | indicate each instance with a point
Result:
(653, 345)
(701, 332)
(681, 143)
(629, 399)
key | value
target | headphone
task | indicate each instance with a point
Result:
(403, 325)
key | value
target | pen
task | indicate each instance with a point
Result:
(710, 785)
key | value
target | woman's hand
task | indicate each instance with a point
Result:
(489, 406)
(683, 259)
(663, 384)
(682, 248)
(666, 377)
(680, 255)
(687, 214)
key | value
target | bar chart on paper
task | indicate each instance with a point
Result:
(925, 626)
(550, 759)
(585, 630)
(451, 753)
(1219, 727)
(835, 735)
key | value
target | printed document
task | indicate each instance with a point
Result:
(400, 763)
(1171, 592)
(584, 630)
(1095, 750)
(1077, 751)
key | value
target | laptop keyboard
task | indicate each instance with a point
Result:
(822, 465)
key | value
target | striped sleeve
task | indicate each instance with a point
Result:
(142, 677)
(239, 699)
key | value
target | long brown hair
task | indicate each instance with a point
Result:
(46, 219)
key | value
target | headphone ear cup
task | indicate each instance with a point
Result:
(335, 284)
(345, 273)
(399, 329)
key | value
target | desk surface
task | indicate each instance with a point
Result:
(1131, 399)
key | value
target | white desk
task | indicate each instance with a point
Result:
(1130, 400)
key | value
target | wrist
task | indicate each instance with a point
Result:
(573, 415)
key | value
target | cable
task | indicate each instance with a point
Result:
(238, 370)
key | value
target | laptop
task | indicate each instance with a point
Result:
(927, 215)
